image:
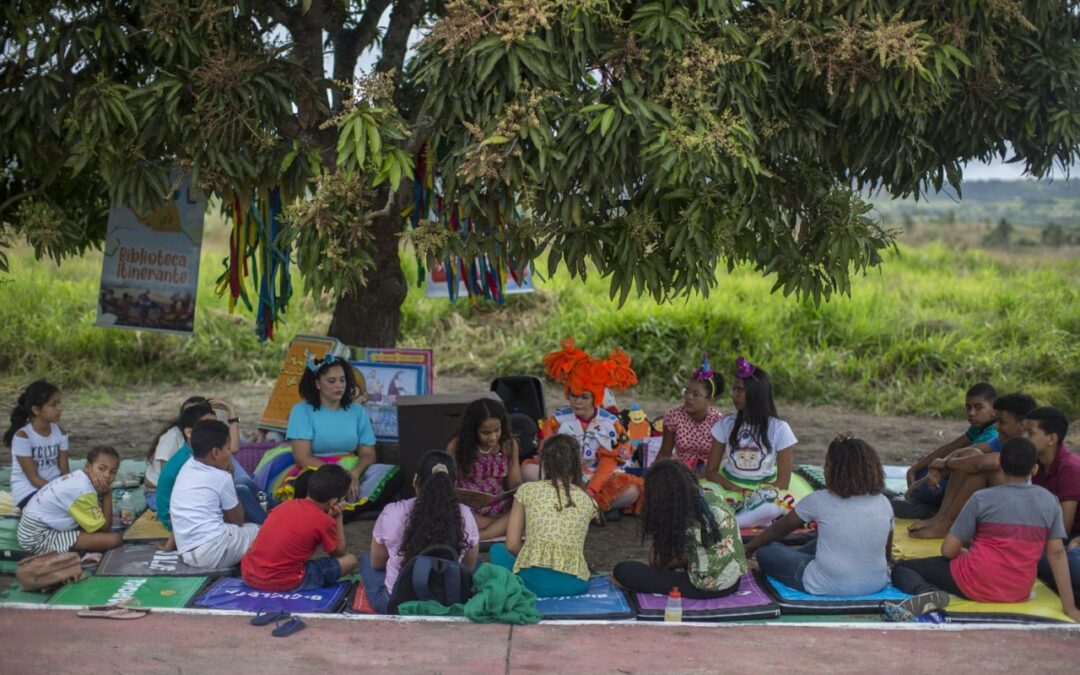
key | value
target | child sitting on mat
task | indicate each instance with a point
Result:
(695, 544)
(279, 558)
(967, 470)
(39, 447)
(207, 518)
(688, 427)
(924, 497)
(854, 523)
(753, 446)
(1059, 472)
(486, 453)
(246, 490)
(1005, 528)
(170, 439)
(406, 528)
(74, 512)
(552, 515)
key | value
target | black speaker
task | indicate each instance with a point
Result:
(428, 423)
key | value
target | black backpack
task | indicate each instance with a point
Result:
(434, 574)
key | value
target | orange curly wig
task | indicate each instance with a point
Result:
(579, 372)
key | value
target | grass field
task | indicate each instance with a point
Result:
(910, 340)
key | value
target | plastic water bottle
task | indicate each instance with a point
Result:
(673, 610)
(127, 510)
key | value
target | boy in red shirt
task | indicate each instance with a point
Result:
(1006, 529)
(278, 560)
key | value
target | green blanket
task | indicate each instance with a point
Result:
(501, 597)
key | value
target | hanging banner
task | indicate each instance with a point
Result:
(150, 274)
(437, 286)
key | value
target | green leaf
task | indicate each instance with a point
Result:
(494, 140)
(605, 121)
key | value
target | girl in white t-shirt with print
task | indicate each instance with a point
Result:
(39, 447)
(753, 446)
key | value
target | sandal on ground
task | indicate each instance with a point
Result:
(123, 610)
(293, 625)
(269, 614)
(915, 606)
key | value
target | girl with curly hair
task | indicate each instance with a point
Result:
(405, 528)
(487, 456)
(854, 523)
(554, 512)
(695, 544)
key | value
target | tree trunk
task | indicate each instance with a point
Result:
(372, 316)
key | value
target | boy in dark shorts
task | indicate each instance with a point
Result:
(279, 558)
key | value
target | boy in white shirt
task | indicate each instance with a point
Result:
(207, 518)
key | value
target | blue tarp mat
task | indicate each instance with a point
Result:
(792, 601)
(232, 593)
(601, 601)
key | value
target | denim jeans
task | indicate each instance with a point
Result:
(786, 564)
(1047, 575)
(374, 585)
(247, 492)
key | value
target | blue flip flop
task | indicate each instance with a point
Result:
(269, 614)
(293, 625)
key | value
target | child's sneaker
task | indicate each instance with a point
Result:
(915, 606)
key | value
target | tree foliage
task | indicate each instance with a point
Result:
(652, 140)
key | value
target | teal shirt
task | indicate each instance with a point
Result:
(167, 480)
(331, 432)
(976, 435)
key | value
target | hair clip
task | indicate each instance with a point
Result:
(314, 364)
(439, 468)
(744, 369)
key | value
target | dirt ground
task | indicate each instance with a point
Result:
(130, 419)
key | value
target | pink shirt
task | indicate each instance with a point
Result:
(390, 532)
(692, 439)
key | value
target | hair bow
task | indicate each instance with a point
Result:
(705, 374)
(744, 369)
(439, 468)
(314, 364)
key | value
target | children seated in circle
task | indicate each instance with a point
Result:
(548, 523)
(406, 528)
(963, 472)
(39, 447)
(329, 427)
(688, 427)
(924, 496)
(754, 446)
(992, 549)
(486, 453)
(694, 539)
(850, 554)
(207, 518)
(73, 512)
(245, 489)
(168, 441)
(605, 445)
(280, 557)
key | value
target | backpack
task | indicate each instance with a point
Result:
(48, 570)
(434, 574)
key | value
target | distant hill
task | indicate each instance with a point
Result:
(1024, 202)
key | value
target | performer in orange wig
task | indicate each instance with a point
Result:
(605, 445)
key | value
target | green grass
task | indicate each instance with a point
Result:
(909, 340)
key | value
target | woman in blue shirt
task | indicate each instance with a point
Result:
(329, 426)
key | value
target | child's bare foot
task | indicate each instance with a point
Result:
(928, 529)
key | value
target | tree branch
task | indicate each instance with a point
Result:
(349, 43)
(396, 42)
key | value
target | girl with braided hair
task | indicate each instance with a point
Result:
(695, 544)
(554, 513)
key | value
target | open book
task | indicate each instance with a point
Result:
(478, 500)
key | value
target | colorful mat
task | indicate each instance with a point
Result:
(10, 550)
(145, 560)
(276, 472)
(7, 505)
(359, 603)
(155, 592)
(906, 547)
(748, 603)
(232, 593)
(14, 593)
(146, 527)
(601, 601)
(1043, 607)
(798, 488)
(792, 601)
